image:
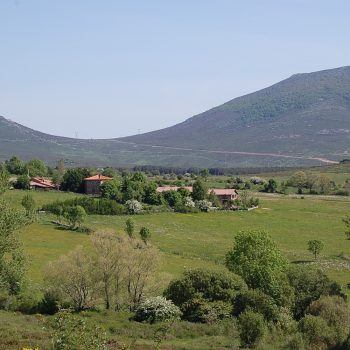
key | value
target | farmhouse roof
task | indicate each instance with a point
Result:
(41, 182)
(217, 191)
(98, 177)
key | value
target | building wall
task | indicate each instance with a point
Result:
(92, 187)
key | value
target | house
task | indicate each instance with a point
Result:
(224, 194)
(39, 183)
(92, 184)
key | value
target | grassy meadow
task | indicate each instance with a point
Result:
(185, 241)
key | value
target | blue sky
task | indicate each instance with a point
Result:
(135, 66)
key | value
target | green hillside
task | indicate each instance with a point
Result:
(302, 120)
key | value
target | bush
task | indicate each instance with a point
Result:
(316, 331)
(252, 328)
(157, 309)
(22, 183)
(198, 287)
(134, 206)
(92, 206)
(204, 205)
(257, 301)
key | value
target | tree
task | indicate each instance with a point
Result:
(71, 278)
(315, 247)
(309, 284)
(197, 289)
(298, 180)
(12, 258)
(111, 190)
(58, 173)
(199, 191)
(14, 166)
(140, 267)
(111, 264)
(347, 224)
(325, 184)
(336, 312)
(36, 167)
(316, 332)
(71, 331)
(252, 328)
(145, 234)
(204, 173)
(311, 180)
(28, 204)
(129, 227)
(4, 180)
(256, 258)
(271, 186)
(73, 180)
(75, 215)
(110, 172)
(23, 182)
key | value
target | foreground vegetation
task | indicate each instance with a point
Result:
(250, 311)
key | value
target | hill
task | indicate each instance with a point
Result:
(303, 120)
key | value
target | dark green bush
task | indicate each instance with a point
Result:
(252, 328)
(92, 206)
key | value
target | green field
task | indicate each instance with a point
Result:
(187, 241)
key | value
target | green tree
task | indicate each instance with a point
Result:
(200, 191)
(4, 180)
(298, 180)
(204, 173)
(145, 234)
(309, 284)
(71, 331)
(75, 215)
(252, 328)
(110, 172)
(73, 179)
(111, 190)
(28, 204)
(58, 173)
(347, 224)
(12, 258)
(130, 227)
(36, 167)
(256, 258)
(197, 289)
(271, 186)
(315, 247)
(23, 182)
(14, 166)
(311, 181)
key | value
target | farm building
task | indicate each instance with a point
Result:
(93, 183)
(39, 183)
(224, 194)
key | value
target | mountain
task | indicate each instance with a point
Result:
(303, 120)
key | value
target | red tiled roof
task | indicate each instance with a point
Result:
(217, 191)
(41, 182)
(97, 178)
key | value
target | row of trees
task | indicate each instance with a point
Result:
(119, 271)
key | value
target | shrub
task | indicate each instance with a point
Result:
(145, 234)
(134, 206)
(75, 215)
(316, 331)
(22, 183)
(257, 301)
(157, 309)
(204, 205)
(252, 328)
(197, 287)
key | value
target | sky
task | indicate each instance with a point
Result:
(111, 68)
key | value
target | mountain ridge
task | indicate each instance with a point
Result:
(300, 120)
